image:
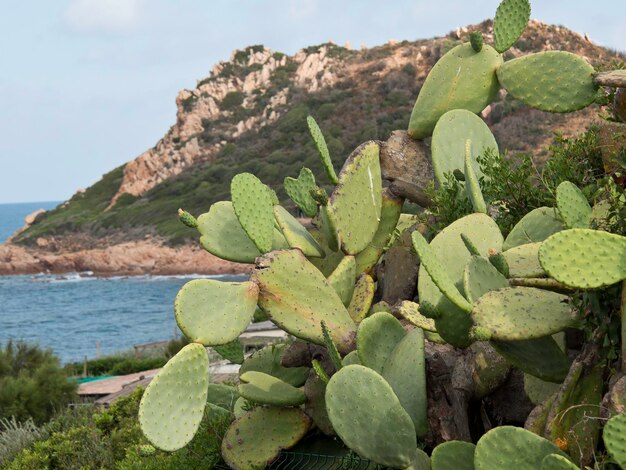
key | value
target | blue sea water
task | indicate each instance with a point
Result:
(72, 313)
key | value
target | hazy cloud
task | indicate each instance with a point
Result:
(104, 15)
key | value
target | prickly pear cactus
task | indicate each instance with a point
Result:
(519, 313)
(456, 455)
(510, 22)
(253, 204)
(320, 143)
(377, 337)
(256, 438)
(362, 297)
(555, 81)
(584, 258)
(259, 387)
(557, 462)
(343, 279)
(357, 199)
(523, 261)
(472, 185)
(377, 403)
(450, 135)
(614, 436)
(410, 311)
(213, 312)
(480, 277)
(511, 447)
(461, 79)
(299, 190)
(573, 206)
(173, 404)
(296, 235)
(534, 227)
(268, 360)
(297, 297)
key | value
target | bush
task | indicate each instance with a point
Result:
(15, 436)
(32, 384)
(232, 100)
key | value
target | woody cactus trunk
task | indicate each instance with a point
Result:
(416, 348)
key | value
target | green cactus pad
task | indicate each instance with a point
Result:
(335, 358)
(437, 272)
(377, 337)
(480, 277)
(357, 199)
(534, 227)
(510, 22)
(222, 395)
(557, 462)
(410, 312)
(461, 79)
(457, 455)
(451, 133)
(389, 216)
(420, 461)
(540, 357)
(614, 436)
(523, 261)
(295, 234)
(232, 351)
(173, 404)
(554, 81)
(328, 227)
(187, 219)
(253, 204)
(537, 390)
(343, 279)
(299, 190)
(268, 360)
(214, 312)
(362, 297)
(514, 448)
(519, 313)
(584, 258)
(405, 371)
(315, 407)
(328, 263)
(476, 40)
(297, 297)
(267, 389)
(573, 206)
(223, 236)
(351, 358)
(472, 186)
(256, 438)
(359, 422)
(320, 143)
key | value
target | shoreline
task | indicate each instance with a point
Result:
(136, 258)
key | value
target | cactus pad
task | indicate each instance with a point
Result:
(362, 297)
(534, 227)
(511, 447)
(510, 22)
(232, 351)
(523, 261)
(410, 312)
(267, 389)
(451, 133)
(253, 203)
(315, 407)
(614, 436)
(377, 337)
(573, 206)
(405, 371)
(322, 148)
(351, 358)
(584, 258)
(461, 79)
(268, 360)
(538, 391)
(357, 199)
(256, 438)
(480, 277)
(540, 357)
(343, 279)
(557, 462)
(222, 395)
(353, 419)
(222, 235)
(518, 313)
(554, 81)
(472, 186)
(457, 455)
(173, 404)
(297, 297)
(213, 312)
(295, 234)
(299, 190)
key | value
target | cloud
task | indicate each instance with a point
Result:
(104, 15)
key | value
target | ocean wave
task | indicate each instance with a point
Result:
(89, 276)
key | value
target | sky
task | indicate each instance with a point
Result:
(87, 85)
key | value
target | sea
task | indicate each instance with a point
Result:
(79, 315)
